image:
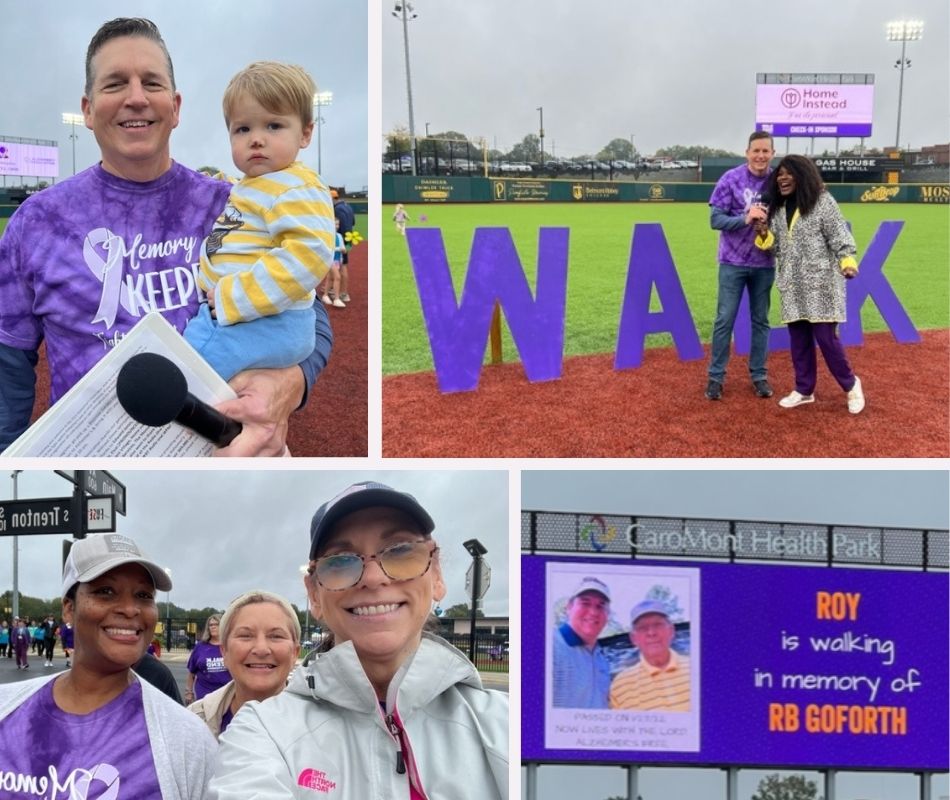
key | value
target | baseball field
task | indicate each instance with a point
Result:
(600, 236)
(658, 409)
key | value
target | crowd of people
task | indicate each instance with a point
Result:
(377, 710)
(21, 635)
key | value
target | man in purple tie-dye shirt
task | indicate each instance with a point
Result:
(736, 203)
(83, 261)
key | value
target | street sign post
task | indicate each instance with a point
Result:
(58, 515)
(44, 515)
(100, 513)
(484, 583)
(476, 581)
(97, 482)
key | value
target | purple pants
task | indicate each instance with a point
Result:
(22, 649)
(803, 336)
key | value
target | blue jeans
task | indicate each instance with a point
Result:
(732, 280)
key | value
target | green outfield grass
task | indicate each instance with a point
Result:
(598, 258)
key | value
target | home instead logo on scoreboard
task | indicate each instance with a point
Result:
(32, 160)
(821, 105)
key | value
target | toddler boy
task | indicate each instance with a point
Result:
(275, 240)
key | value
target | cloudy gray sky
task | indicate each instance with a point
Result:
(859, 497)
(44, 52)
(224, 532)
(666, 73)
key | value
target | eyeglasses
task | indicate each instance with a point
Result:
(399, 562)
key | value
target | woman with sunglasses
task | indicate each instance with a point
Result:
(385, 709)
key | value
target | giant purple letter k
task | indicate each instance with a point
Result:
(870, 282)
(458, 331)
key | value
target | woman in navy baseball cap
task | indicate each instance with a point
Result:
(385, 707)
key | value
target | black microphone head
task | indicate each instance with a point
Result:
(151, 389)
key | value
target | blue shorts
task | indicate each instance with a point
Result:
(273, 342)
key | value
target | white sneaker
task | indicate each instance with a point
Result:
(345, 297)
(326, 299)
(338, 303)
(856, 397)
(796, 399)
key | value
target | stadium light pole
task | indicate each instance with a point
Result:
(404, 9)
(73, 120)
(903, 31)
(321, 100)
(541, 134)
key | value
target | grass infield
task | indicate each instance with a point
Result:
(600, 237)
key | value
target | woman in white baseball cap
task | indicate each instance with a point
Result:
(386, 710)
(104, 731)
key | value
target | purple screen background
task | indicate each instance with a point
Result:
(745, 608)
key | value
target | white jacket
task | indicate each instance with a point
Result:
(182, 748)
(212, 707)
(326, 736)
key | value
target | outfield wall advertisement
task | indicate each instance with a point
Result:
(433, 189)
(781, 666)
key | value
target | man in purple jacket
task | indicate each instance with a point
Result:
(736, 203)
(83, 261)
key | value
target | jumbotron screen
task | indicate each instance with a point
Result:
(773, 665)
(33, 160)
(821, 109)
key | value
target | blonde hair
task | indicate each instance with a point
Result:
(206, 633)
(280, 88)
(258, 596)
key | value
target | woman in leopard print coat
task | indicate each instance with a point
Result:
(814, 255)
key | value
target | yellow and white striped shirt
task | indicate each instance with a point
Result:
(271, 247)
(647, 688)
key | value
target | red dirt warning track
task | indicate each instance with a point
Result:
(333, 423)
(658, 410)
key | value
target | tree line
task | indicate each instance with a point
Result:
(455, 144)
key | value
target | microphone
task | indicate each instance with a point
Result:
(154, 392)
